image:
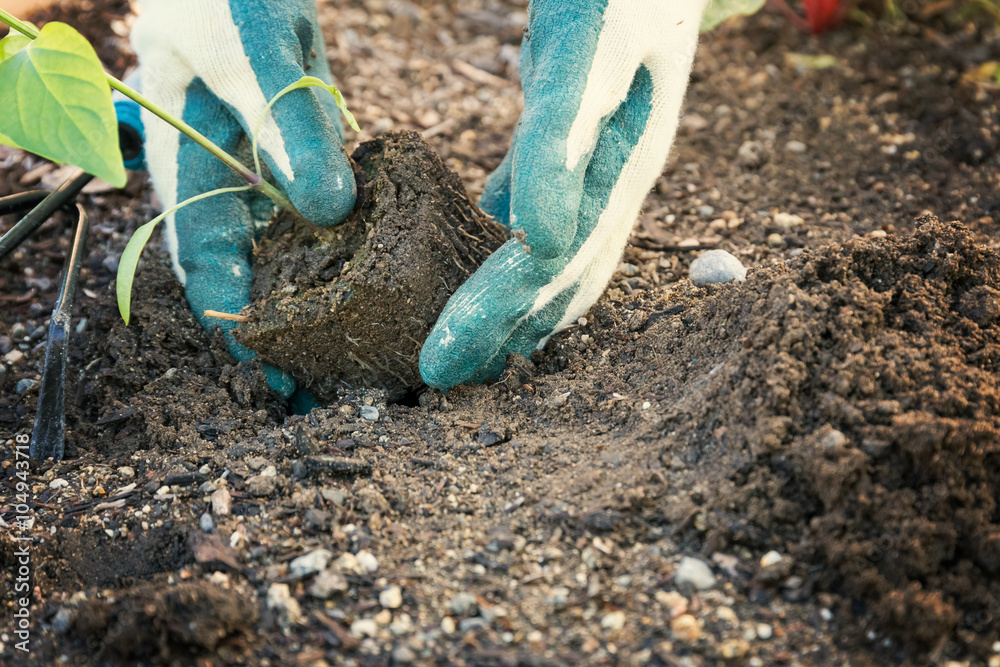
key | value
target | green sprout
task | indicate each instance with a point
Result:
(59, 98)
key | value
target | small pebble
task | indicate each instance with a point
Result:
(751, 154)
(695, 572)
(26, 385)
(18, 331)
(462, 604)
(770, 558)
(788, 221)
(716, 267)
(58, 484)
(327, 584)
(764, 631)
(776, 240)
(280, 600)
(794, 146)
(262, 486)
(126, 472)
(734, 648)
(311, 563)
(614, 621)
(367, 563)
(675, 603)
(391, 597)
(368, 413)
(384, 617)
(222, 502)
(403, 655)
(628, 270)
(473, 623)
(685, 628)
(364, 627)
(834, 440)
(207, 524)
(220, 579)
(448, 625)
(13, 356)
(347, 562)
(402, 625)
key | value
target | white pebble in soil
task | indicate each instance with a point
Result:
(770, 558)
(311, 563)
(614, 621)
(391, 597)
(695, 572)
(286, 607)
(716, 267)
(368, 413)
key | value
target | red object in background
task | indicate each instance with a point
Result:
(824, 14)
(821, 15)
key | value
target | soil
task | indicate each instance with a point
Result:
(821, 437)
(351, 306)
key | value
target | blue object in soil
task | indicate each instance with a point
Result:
(563, 253)
(250, 51)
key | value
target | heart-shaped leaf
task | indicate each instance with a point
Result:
(56, 102)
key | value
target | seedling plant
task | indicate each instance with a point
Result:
(57, 102)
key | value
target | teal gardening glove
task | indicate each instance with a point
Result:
(603, 84)
(216, 64)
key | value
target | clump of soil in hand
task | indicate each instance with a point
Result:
(353, 304)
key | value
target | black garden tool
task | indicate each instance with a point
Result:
(48, 439)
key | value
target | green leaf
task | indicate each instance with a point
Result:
(11, 44)
(129, 261)
(56, 102)
(720, 10)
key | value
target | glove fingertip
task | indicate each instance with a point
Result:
(280, 381)
(326, 198)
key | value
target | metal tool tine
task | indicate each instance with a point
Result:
(49, 436)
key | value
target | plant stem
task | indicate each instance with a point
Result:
(273, 193)
(22, 27)
(196, 136)
(244, 172)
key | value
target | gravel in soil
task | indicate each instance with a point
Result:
(798, 469)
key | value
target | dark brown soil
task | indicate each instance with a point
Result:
(821, 436)
(351, 306)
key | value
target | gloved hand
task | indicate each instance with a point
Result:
(603, 84)
(216, 64)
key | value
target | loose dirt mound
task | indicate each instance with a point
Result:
(861, 385)
(841, 409)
